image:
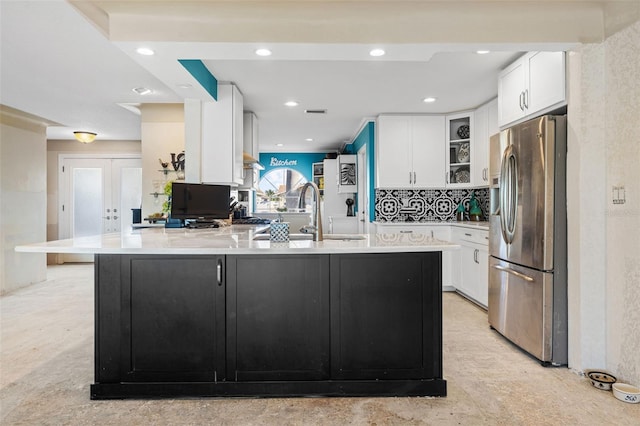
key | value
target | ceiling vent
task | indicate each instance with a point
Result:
(315, 111)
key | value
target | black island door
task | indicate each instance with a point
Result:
(171, 319)
(386, 316)
(278, 317)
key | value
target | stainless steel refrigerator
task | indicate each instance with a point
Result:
(527, 238)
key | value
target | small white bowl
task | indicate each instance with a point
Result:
(626, 393)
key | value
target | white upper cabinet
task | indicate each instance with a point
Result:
(394, 148)
(428, 151)
(250, 146)
(532, 85)
(250, 134)
(460, 148)
(409, 151)
(486, 124)
(222, 138)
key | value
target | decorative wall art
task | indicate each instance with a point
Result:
(347, 174)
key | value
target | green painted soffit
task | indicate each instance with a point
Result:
(197, 69)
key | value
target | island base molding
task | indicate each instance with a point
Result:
(284, 389)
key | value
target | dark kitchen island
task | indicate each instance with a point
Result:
(234, 317)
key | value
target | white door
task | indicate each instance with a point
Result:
(546, 80)
(511, 86)
(363, 191)
(96, 197)
(393, 152)
(428, 154)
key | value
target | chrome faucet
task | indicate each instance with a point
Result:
(316, 216)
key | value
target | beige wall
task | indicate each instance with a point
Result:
(57, 147)
(622, 139)
(23, 197)
(162, 134)
(604, 238)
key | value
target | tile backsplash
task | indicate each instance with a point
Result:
(426, 205)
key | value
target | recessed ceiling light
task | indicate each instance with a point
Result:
(263, 52)
(376, 52)
(279, 144)
(309, 139)
(141, 90)
(291, 103)
(482, 52)
(185, 86)
(429, 99)
(145, 51)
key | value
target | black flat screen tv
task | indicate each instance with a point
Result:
(199, 201)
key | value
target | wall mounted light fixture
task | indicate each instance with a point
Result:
(85, 137)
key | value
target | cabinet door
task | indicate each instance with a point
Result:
(386, 316)
(428, 151)
(511, 86)
(278, 317)
(493, 117)
(546, 80)
(467, 270)
(250, 134)
(482, 274)
(173, 318)
(474, 272)
(238, 136)
(393, 152)
(480, 153)
(222, 138)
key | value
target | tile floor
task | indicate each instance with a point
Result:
(46, 366)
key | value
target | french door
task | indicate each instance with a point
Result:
(96, 197)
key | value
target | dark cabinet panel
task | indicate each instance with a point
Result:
(268, 325)
(278, 317)
(172, 318)
(385, 313)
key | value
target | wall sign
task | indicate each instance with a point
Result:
(282, 162)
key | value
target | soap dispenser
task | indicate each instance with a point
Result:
(475, 212)
(460, 212)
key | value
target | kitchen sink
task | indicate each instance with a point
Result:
(332, 237)
(292, 237)
(344, 237)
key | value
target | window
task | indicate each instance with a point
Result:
(279, 190)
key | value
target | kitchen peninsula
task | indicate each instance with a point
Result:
(222, 313)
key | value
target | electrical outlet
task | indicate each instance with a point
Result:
(618, 194)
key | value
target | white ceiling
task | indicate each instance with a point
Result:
(60, 66)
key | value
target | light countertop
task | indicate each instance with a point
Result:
(235, 239)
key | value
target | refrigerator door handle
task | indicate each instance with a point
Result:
(508, 194)
(512, 272)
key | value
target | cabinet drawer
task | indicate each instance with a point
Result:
(478, 236)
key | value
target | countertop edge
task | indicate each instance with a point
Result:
(239, 251)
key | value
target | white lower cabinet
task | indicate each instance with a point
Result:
(420, 230)
(470, 268)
